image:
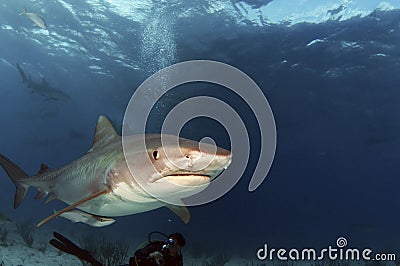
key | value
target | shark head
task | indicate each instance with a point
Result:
(173, 167)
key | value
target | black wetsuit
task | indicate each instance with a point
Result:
(142, 256)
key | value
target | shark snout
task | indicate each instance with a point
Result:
(213, 164)
(226, 160)
(222, 162)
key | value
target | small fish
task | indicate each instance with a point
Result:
(77, 216)
(35, 18)
(4, 219)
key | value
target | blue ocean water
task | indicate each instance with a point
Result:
(330, 72)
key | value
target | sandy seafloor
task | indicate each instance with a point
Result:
(14, 252)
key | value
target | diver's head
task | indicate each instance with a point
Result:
(178, 238)
(174, 243)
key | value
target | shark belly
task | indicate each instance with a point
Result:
(120, 208)
(115, 204)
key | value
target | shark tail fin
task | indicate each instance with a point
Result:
(23, 12)
(16, 174)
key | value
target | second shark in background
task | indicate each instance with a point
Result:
(43, 88)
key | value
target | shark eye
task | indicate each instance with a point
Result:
(187, 157)
(156, 155)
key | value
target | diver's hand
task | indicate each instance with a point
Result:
(158, 257)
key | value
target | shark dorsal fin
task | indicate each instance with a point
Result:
(43, 168)
(23, 12)
(105, 133)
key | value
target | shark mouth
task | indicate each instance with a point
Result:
(188, 179)
(188, 174)
(183, 175)
(180, 176)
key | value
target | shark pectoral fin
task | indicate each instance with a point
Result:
(72, 206)
(181, 211)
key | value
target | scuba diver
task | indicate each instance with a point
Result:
(154, 253)
(160, 252)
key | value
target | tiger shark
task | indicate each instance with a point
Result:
(101, 183)
(42, 88)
